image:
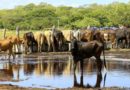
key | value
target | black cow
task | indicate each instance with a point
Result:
(81, 50)
(29, 41)
(58, 40)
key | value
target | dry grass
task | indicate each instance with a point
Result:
(13, 32)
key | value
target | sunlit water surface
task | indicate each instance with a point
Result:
(56, 71)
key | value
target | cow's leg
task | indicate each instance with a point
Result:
(38, 47)
(32, 47)
(26, 48)
(11, 53)
(9, 56)
(69, 46)
(99, 64)
(49, 47)
(53, 46)
(81, 67)
(99, 80)
(18, 45)
(75, 64)
(75, 79)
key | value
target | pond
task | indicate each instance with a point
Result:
(56, 71)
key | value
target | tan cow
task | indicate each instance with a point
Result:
(40, 39)
(68, 36)
(49, 38)
(7, 45)
(86, 35)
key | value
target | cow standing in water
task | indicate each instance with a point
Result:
(16, 42)
(29, 41)
(7, 45)
(40, 39)
(81, 50)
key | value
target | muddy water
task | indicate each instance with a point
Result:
(56, 71)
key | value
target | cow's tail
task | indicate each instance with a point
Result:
(104, 55)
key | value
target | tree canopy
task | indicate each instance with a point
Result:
(44, 15)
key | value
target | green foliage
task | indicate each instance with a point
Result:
(38, 17)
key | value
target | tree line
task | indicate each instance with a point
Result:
(43, 15)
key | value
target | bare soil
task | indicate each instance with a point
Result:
(11, 87)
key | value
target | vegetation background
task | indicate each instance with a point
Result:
(39, 17)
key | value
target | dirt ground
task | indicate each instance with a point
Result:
(11, 87)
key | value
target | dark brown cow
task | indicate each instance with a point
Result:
(29, 41)
(81, 50)
(7, 45)
(58, 40)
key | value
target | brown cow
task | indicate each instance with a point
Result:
(16, 41)
(7, 45)
(86, 35)
(110, 38)
(29, 41)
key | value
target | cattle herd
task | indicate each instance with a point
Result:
(81, 43)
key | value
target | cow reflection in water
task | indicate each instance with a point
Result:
(81, 83)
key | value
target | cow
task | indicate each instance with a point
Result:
(16, 41)
(121, 38)
(77, 34)
(86, 35)
(49, 39)
(58, 40)
(29, 41)
(81, 50)
(110, 38)
(7, 45)
(68, 36)
(40, 39)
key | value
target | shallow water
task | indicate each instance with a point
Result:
(56, 71)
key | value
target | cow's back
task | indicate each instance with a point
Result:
(68, 35)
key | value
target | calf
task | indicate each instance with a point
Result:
(81, 50)
(7, 45)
